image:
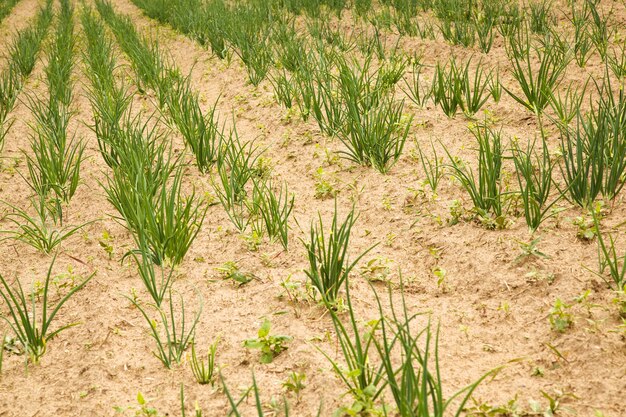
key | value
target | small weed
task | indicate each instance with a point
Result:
(295, 383)
(324, 188)
(560, 316)
(585, 228)
(270, 345)
(230, 270)
(106, 244)
(529, 251)
(376, 269)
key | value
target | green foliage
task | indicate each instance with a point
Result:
(600, 31)
(2, 344)
(61, 58)
(541, 18)
(329, 266)
(235, 169)
(43, 232)
(171, 336)
(139, 153)
(617, 62)
(534, 169)
(484, 25)
(8, 95)
(364, 380)
(415, 89)
(174, 93)
(447, 88)
(495, 86)
(284, 89)
(234, 405)
(204, 372)
(608, 258)
(433, 168)
(356, 104)
(474, 88)
(560, 316)
(156, 279)
(567, 105)
(458, 32)
(580, 18)
(271, 210)
(537, 85)
(183, 410)
(270, 345)
(6, 7)
(200, 131)
(108, 97)
(230, 270)
(362, 7)
(31, 326)
(56, 161)
(316, 86)
(375, 136)
(250, 34)
(55, 165)
(416, 388)
(206, 22)
(594, 150)
(454, 87)
(416, 383)
(529, 250)
(485, 191)
(295, 383)
(24, 49)
(166, 222)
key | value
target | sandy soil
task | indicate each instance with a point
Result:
(492, 310)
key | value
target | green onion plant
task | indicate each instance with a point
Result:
(32, 325)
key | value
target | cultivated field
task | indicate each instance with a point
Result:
(312, 208)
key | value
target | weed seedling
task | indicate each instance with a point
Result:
(324, 187)
(560, 316)
(230, 270)
(270, 345)
(295, 383)
(585, 229)
(529, 251)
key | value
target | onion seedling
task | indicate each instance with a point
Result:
(33, 329)
(534, 174)
(174, 334)
(43, 232)
(204, 372)
(271, 210)
(608, 258)
(415, 382)
(328, 256)
(537, 85)
(486, 189)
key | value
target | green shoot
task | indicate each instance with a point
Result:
(270, 345)
(328, 256)
(171, 336)
(204, 372)
(33, 331)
